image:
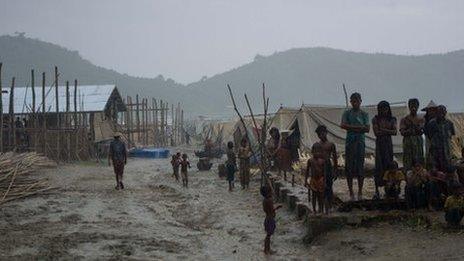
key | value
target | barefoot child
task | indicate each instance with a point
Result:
(316, 184)
(329, 153)
(184, 164)
(231, 164)
(175, 162)
(269, 221)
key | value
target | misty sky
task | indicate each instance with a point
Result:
(186, 39)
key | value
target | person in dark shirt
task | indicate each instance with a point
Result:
(440, 131)
(118, 155)
(184, 166)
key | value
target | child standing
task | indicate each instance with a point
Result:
(269, 221)
(231, 164)
(393, 177)
(329, 153)
(316, 184)
(454, 207)
(184, 166)
(175, 162)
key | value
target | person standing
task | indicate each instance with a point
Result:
(231, 164)
(430, 114)
(356, 122)
(384, 126)
(412, 128)
(184, 166)
(440, 131)
(244, 154)
(118, 155)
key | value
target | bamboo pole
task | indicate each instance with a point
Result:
(146, 121)
(162, 122)
(172, 124)
(34, 117)
(137, 117)
(67, 124)
(44, 117)
(12, 129)
(182, 135)
(58, 124)
(1, 109)
(76, 126)
(156, 133)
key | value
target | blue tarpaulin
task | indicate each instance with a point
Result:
(154, 153)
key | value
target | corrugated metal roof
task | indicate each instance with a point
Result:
(89, 98)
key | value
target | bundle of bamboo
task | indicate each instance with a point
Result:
(15, 179)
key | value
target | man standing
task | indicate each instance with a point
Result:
(412, 128)
(440, 131)
(118, 155)
(356, 122)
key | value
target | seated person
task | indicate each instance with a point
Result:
(393, 177)
(416, 180)
(454, 207)
(436, 189)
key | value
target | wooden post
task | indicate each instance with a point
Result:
(12, 129)
(1, 110)
(32, 122)
(44, 119)
(137, 117)
(182, 137)
(172, 125)
(58, 121)
(146, 121)
(76, 126)
(67, 124)
(129, 119)
(155, 124)
(143, 121)
(75, 103)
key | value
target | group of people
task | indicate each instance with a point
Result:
(244, 155)
(182, 163)
(431, 178)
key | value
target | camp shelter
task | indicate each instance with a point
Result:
(284, 117)
(219, 131)
(251, 130)
(310, 116)
(458, 139)
(96, 103)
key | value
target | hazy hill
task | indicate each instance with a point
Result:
(310, 75)
(20, 54)
(315, 75)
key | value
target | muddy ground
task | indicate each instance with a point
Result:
(154, 218)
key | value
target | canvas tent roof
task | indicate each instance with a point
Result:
(90, 98)
(311, 116)
(458, 139)
(284, 117)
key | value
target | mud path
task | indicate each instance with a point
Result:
(153, 218)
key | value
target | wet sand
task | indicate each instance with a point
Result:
(154, 218)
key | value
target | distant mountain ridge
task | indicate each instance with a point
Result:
(292, 77)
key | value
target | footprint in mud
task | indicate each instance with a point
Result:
(119, 249)
(71, 219)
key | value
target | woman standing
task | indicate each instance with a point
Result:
(384, 126)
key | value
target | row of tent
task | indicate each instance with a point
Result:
(302, 123)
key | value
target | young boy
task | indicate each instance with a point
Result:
(416, 180)
(184, 164)
(393, 178)
(356, 123)
(231, 164)
(316, 166)
(454, 207)
(329, 152)
(269, 221)
(175, 162)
